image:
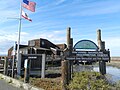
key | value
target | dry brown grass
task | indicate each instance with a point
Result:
(114, 63)
(47, 83)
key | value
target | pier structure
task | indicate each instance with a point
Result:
(38, 52)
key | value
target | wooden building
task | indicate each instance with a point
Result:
(36, 48)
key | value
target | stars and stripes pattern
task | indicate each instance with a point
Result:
(29, 5)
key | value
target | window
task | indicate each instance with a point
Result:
(86, 44)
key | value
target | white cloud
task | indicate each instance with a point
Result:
(52, 36)
(7, 40)
(4, 46)
(113, 42)
(50, 17)
(60, 2)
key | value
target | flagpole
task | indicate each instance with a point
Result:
(18, 42)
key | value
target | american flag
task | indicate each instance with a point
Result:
(29, 5)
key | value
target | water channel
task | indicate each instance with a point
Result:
(113, 73)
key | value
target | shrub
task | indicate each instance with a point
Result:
(88, 81)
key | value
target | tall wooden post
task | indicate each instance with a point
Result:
(103, 62)
(69, 46)
(68, 37)
(101, 45)
(65, 80)
(109, 54)
(5, 66)
(99, 39)
(71, 62)
(102, 67)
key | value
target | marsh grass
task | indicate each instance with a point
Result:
(114, 64)
(89, 81)
(85, 80)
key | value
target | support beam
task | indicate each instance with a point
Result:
(101, 45)
(102, 67)
(13, 66)
(65, 73)
(5, 66)
(27, 71)
(19, 66)
(13, 61)
(69, 70)
(71, 46)
(43, 66)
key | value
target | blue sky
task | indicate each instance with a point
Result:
(52, 17)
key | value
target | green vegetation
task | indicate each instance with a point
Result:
(89, 81)
(116, 85)
(85, 80)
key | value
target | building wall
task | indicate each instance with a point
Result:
(10, 53)
(33, 43)
(3, 57)
(62, 46)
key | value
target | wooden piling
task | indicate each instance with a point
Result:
(69, 41)
(71, 70)
(66, 64)
(65, 79)
(101, 45)
(102, 67)
(70, 48)
(103, 62)
(99, 34)
(13, 66)
(5, 66)
(99, 39)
